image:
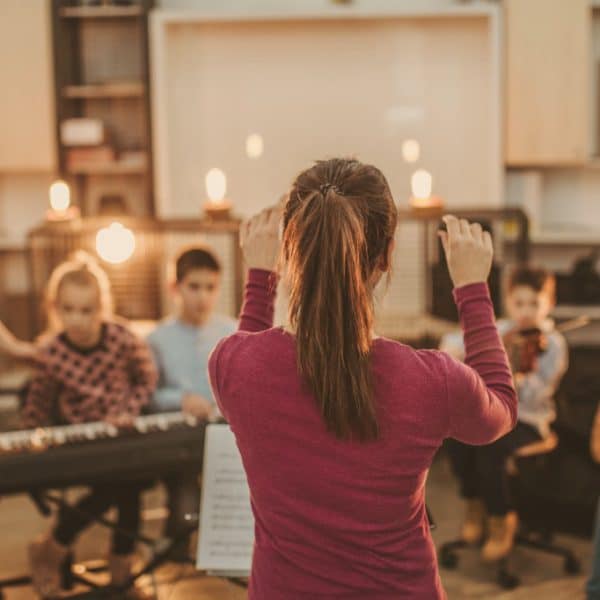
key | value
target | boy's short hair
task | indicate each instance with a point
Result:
(197, 257)
(536, 278)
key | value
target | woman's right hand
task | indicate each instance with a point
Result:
(468, 249)
(259, 238)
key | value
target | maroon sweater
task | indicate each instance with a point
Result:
(340, 519)
(77, 386)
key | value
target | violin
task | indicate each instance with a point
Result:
(523, 346)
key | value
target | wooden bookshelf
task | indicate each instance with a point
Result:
(100, 12)
(101, 69)
(112, 168)
(125, 89)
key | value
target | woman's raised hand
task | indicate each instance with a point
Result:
(468, 249)
(259, 238)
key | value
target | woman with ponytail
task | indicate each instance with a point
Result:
(337, 427)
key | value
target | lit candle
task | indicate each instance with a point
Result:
(422, 184)
(217, 206)
(60, 203)
(115, 244)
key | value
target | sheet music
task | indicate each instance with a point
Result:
(226, 534)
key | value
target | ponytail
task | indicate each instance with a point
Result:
(329, 263)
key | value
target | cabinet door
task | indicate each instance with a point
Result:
(27, 134)
(548, 77)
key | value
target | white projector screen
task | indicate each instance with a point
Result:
(317, 88)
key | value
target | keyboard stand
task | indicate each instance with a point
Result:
(74, 573)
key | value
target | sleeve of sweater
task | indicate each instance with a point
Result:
(259, 301)
(142, 376)
(482, 402)
(257, 315)
(41, 395)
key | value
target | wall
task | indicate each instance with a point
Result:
(319, 88)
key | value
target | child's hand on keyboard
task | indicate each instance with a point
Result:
(120, 420)
(197, 406)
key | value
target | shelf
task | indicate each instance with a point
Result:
(11, 244)
(113, 168)
(563, 238)
(100, 12)
(594, 163)
(125, 89)
(572, 311)
(566, 238)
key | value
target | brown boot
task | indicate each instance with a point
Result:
(120, 567)
(473, 526)
(46, 557)
(502, 531)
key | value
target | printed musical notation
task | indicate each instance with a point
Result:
(226, 522)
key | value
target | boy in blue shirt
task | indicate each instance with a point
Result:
(181, 345)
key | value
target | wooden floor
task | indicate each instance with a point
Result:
(542, 577)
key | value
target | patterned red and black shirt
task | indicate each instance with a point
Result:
(72, 385)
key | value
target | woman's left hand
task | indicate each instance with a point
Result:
(259, 238)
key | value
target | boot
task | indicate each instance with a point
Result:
(502, 531)
(473, 526)
(46, 557)
(120, 567)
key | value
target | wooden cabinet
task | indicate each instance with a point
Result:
(27, 134)
(548, 78)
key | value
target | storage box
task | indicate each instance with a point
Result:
(82, 132)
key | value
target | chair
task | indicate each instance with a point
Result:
(533, 533)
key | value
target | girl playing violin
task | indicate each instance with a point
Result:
(538, 356)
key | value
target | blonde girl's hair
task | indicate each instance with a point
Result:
(80, 269)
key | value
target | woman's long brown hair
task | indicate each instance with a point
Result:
(338, 223)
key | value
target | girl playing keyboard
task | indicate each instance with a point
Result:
(90, 368)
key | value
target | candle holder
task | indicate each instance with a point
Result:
(217, 211)
(432, 206)
(68, 214)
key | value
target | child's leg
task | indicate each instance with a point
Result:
(593, 584)
(183, 498)
(493, 480)
(127, 498)
(463, 461)
(73, 520)
(47, 553)
(491, 467)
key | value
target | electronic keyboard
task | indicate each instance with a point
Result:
(93, 453)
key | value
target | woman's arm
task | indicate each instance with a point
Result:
(482, 402)
(259, 239)
(259, 301)
(14, 346)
